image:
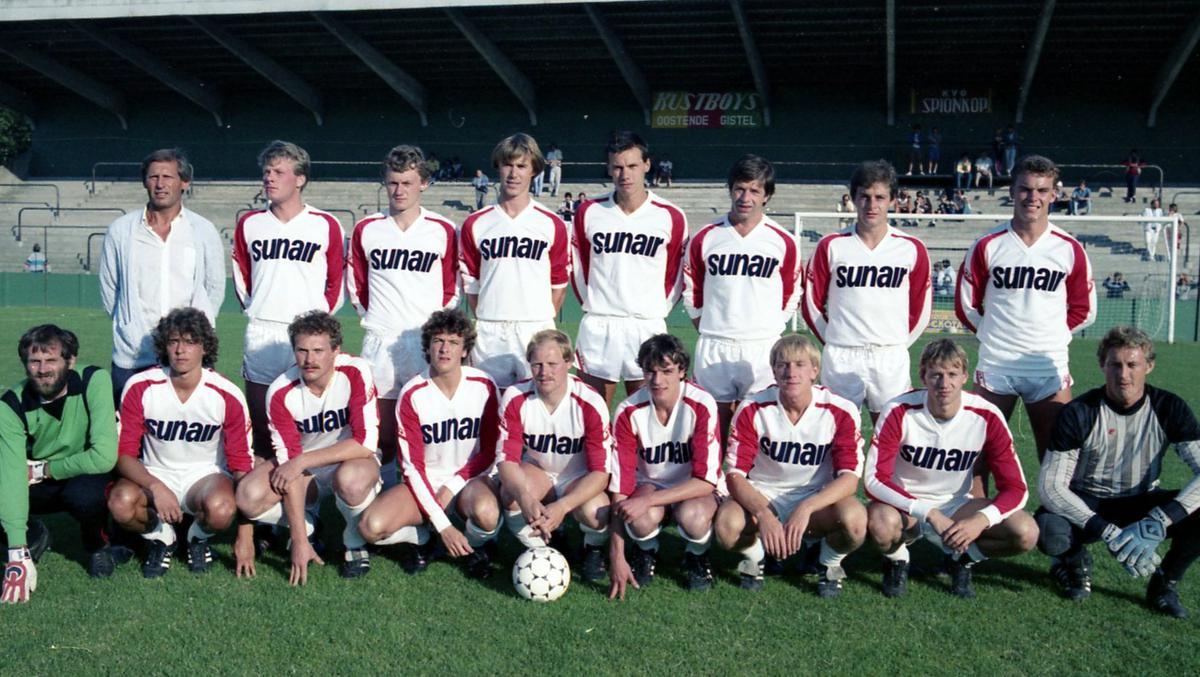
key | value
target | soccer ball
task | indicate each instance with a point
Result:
(541, 574)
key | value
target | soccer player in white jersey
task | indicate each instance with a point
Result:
(741, 286)
(448, 422)
(626, 269)
(867, 296)
(794, 459)
(1023, 288)
(515, 258)
(403, 266)
(184, 440)
(288, 259)
(325, 429)
(920, 470)
(668, 455)
(553, 456)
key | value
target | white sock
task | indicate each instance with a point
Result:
(273, 515)
(594, 537)
(411, 534)
(477, 537)
(752, 557)
(900, 555)
(647, 542)
(351, 538)
(515, 521)
(197, 532)
(830, 557)
(161, 532)
(975, 553)
(697, 546)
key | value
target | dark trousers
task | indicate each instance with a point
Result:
(1184, 534)
(83, 498)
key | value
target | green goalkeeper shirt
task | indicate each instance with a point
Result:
(76, 434)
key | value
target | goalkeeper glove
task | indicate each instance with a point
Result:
(37, 471)
(1135, 545)
(20, 577)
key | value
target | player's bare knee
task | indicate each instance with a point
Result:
(353, 482)
(219, 511)
(646, 524)
(485, 511)
(123, 503)
(373, 526)
(1023, 532)
(253, 497)
(884, 526)
(729, 525)
(694, 517)
(853, 520)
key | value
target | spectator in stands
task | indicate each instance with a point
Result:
(904, 205)
(1152, 230)
(1183, 287)
(962, 172)
(1115, 286)
(579, 201)
(567, 209)
(845, 206)
(934, 152)
(914, 151)
(943, 280)
(984, 168)
(946, 203)
(962, 204)
(1133, 173)
(455, 170)
(435, 168)
(1062, 202)
(554, 160)
(1081, 199)
(36, 261)
(664, 171)
(1011, 143)
(998, 150)
(480, 183)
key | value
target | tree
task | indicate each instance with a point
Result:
(15, 134)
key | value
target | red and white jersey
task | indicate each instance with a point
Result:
(742, 288)
(398, 278)
(570, 441)
(617, 257)
(649, 451)
(281, 270)
(771, 451)
(1023, 302)
(211, 429)
(918, 462)
(303, 421)
(855, 296)
(514, 263)
(445, 442)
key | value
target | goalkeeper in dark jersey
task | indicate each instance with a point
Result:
(1100, 478)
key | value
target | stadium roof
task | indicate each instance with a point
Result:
(113, 52)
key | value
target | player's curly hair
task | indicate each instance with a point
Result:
(944, 351)
(872, 172)
(403, 158)
(43, 336)
(169, 155)
(452, 322)
(519, 145)
(277, 149)
(753, 168)
(550, 336)
(660, 349)
(791, 345)
(624, 140)
(316, 323)
(1038, 165)
(1124, 336)
(190, 323)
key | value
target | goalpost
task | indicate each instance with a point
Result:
(1114, 244)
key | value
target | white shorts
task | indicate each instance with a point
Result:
(181, 481)
(731, 370)
(500, 349)
(323, 477)
(394, 360)
(871, 374)
(784, 501)
(607, 347)
(1029, 388)
(948, 509)
(268, 351)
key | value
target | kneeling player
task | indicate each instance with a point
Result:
(185, 436)
(668, 455)
(1104, 485)
(325, 431)
(447, 421)
(554, 453)
(794, 458)
(919, 474)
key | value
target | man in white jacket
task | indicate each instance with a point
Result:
(157, 259)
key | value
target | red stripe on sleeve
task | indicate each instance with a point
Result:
(675, 249)
(560, 251)
(449, 264)
(413, 447)
(693, 267)
(468, 250)
(335, 263)
(1079, 287)
(745, 438)
(512, 431)
(919, 285)
(485, 456)
(283, 422)
(359, 266)
(845, 439)
(594, 434)
(582, 250)
(241, 261)
(235, 428)
(705, 454)
(359, 401)
(133, 419)
(789, 272)
(627, 445)
(816, 288)
(887, 448)
(1011, 490)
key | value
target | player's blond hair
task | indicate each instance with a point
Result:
(944, 351)
(1124, 336)
(550, 336)
(276, 150)
(403, 158)
(519, 145)
(793, 345)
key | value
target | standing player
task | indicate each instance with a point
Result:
(794, 458)
(403, 267)
(325, 432)
(1023, 288)
(741, 285)
(622, 242)
(515, 264)
(184, 440)
(553, 453)
(668, 455)
(919, 476)
(287, 259)
(1100, 479)
(867, 296)
(447, 437)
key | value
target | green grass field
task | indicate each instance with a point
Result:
(442, 622)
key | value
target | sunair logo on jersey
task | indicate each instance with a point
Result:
(170, 431)
(667, 452)
(512, 247)
(882, 277)
(744, 265)
(1027, 277)
(795, 453)
(283, 248)
(554, 444)
(464, 428)
(325, 422)
(934, 458)
(413, 260)
(639, 244)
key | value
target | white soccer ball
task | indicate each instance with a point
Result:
(541, 574)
